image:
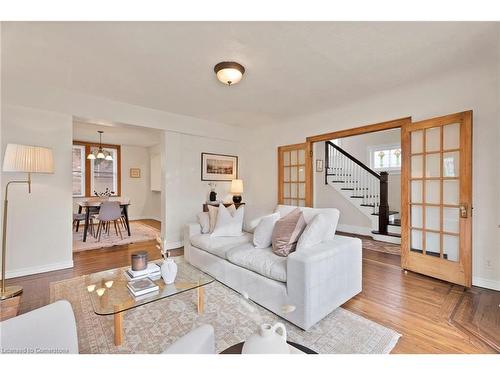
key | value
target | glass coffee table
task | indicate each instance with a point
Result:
(110, 296)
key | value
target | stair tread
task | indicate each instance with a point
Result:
(390, 213)
(387, 234)
(395, 222)
(357, 196)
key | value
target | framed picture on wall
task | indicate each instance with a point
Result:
(135, 172)
(218, 167)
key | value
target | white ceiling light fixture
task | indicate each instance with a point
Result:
(229, 72)
(100, 153)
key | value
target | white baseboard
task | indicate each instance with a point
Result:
(174, 245)
(354, 229)
(143, 218)
(38, 269)
(486, 283)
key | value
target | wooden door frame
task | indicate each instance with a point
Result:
(364, 129)
(430, 265)
(307, 172)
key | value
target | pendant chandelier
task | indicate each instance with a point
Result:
(100, 153)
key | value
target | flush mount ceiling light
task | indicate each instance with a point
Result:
(100, 153)
(229, 72)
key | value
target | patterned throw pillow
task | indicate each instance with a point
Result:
(287, 231)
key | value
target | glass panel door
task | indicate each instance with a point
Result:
(436, 197)
(293, 167)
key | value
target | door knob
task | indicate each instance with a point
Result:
(463, 210)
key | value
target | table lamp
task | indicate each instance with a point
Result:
(27, 159)
(236, 190)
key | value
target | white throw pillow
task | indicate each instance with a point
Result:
(229, 225)
(212, 214)
(263, 233)
(316, 231)
(204, 221)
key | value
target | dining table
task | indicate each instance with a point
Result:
(92, 207)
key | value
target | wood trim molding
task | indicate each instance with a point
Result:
(386, 125)
(88, 146)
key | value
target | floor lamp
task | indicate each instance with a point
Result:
(27, 159)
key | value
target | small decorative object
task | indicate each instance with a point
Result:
(135, 172)
(218, 167)
(213, 193)
(104, 194)
(168, 268)
(267, 341)
(236, 190)
(319, 165)
(139, 261)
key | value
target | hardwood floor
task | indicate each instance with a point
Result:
(433, 316)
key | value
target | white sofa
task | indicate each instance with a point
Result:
(50, 329)
(315, 281)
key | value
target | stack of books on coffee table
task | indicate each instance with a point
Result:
(142, 287)
(152, 271)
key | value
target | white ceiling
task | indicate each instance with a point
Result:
(116, 134)
(293, 68)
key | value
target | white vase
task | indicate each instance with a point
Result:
(168, 271)
(267, 341)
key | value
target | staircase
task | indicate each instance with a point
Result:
(365, 189)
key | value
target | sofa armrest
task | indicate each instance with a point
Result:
(190, 229)
(325, 276)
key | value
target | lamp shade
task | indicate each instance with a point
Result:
(236, 186)
(30, 159)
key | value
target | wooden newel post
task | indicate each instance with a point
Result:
(383, 210)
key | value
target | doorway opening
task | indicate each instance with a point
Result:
(117, 189)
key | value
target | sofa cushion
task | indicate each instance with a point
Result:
(261, 261)
(219, 245)
(263, 233)
(310, 213)
(287, 231)
(229, 224)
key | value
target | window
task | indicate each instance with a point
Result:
(95, 176)
(78, 171)
(385, 158)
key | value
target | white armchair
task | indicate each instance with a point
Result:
(48, 330)
(199, 341)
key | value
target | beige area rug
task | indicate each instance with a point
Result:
(153, 327)
(139, 233)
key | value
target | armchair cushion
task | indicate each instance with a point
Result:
(48, 330)
(200, 340)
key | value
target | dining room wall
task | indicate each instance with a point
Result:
(144, 203)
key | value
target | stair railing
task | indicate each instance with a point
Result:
(364, 182)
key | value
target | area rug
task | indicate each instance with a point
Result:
(153, 327)
(383, 247)
(139, 233)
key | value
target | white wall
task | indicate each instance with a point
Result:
(145, 203)
(39, 224)
(475, 88)
(185, 192)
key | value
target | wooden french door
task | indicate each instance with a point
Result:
(436, 197)
(294, 181)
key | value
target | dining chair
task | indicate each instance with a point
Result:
(123, 219)
(109, 212)
(81, 217)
